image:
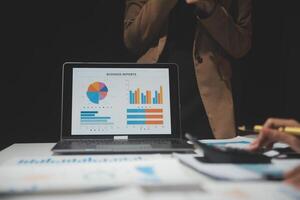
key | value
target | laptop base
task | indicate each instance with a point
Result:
(119, 146)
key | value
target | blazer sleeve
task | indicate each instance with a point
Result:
(143, 22)
(233, 35)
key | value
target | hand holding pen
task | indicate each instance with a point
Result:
(277, 130)
(280, 130)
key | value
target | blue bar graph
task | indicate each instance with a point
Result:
(89, 112)
(143, 98)
(91, 118)
(136, 116)
(82, 117)
(136, 122)
(92, 121)
(87, 115)
(136, 110)
(131, 96)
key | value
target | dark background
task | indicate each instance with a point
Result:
(37, 37)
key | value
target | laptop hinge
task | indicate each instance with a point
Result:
(121, 137)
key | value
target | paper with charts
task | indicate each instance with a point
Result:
(55, 177)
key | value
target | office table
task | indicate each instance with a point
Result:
(210, 188)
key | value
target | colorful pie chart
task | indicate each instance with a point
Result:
(97, 91)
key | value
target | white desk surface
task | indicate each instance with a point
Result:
(43, 149)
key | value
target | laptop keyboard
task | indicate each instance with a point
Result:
(125, 142)
(107, 145)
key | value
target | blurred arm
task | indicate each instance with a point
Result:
(143, 22)
(233, 35)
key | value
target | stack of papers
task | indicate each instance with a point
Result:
(238, 142)
(218, 171)
(82, 176)
(239, 172)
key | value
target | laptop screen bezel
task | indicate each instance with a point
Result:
(66, 110)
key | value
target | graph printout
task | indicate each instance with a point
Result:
(112, 101)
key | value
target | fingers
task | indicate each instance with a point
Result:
(292, 173)
(191, 1)
(293, 177)
(268, 136)
(264, 139)
(294, 143)
(277, 123)
(295, 181)
(194, 1)
(197, 1)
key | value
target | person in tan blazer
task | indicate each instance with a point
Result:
(202, 36)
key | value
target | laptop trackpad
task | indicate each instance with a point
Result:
(124, 146)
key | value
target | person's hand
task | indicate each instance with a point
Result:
(270, 134)
(293, 177)
(206, 6)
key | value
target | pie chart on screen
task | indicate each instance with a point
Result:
(96, 92)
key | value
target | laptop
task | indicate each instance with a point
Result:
(120, 108)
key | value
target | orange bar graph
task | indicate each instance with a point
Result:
(161, 95)
(153, 116)
(158, 98)
(148, 97)
(138, 96)
(154, 122)
(135, 97)
(153, 110)
(145, 97)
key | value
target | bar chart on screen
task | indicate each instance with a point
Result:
(146, 97)
(145, 117)
(93, 118)
(148, 105)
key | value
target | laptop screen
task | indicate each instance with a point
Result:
(118, 101)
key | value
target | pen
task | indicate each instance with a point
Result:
(289, 130)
